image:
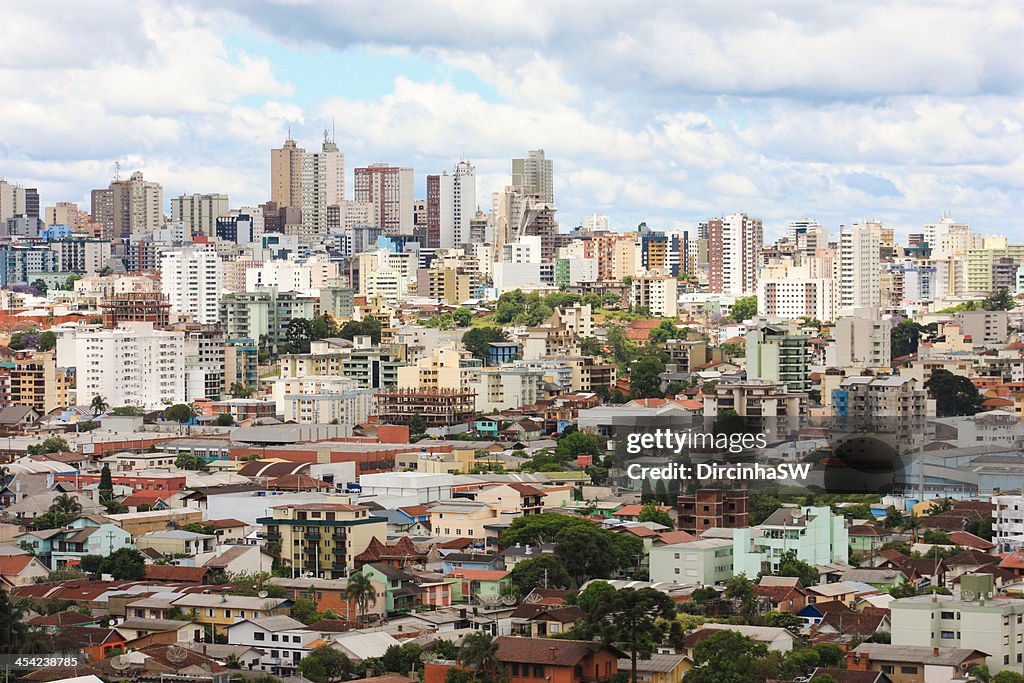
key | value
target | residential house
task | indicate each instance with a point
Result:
(485, 586)
(781, 593)
(20, 570)
(868, 539)
(824, 592)
(284, 641)
(707, 562)
(141, 633)
(180, 543)
(816, 535)
(658, 668)
(222, 610)
(909, 663)
(464, 518)
(401, 589)
(775, 639)
(527, 660)
(541, 621)
(882, 579)
(329, 594)
(236, 559)
(454, 561)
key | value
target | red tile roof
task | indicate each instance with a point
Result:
(11, 565)
(545, 651)
(480, 574)
(170, 572)
(969, 540)
(68, 618)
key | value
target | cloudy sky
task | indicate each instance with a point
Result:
(656, 111)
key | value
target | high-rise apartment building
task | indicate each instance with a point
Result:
(129, 206)
(191, 279)
(390, 190)
(734, 249)
(12, 200)
(858, 274)
(451, 205)
(535, 174)
(134, 364)
(780, 354)
(323, 185)
(67, 213)
(286, 174)
(199, 211)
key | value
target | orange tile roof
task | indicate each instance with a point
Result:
(480, 574)
(13, 564)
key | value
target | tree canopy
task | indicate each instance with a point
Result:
(954, 394)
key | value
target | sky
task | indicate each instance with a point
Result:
(664, 112)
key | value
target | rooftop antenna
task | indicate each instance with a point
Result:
(334, 137)
(117, 171)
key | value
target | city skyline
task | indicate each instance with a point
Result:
(671, 117)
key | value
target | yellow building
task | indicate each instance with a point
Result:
(445, 368)
(322, 538)
(36, 381)
(221, 610)
(447, 284)
(141, 523)
(659, 668)
(462, 518)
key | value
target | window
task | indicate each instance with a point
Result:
(273, 637)
(538, 671)
(887, 668)
(515, 668)
(947, 615)
(908, 669)
(947, 635)
(259, 635)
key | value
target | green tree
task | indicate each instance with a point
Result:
(665, 330)
(545, 571)
(652, 513)
(981, 527)
(298, 334)
(905, 338)
(98, 405)
(40, 285)
(1008, 675)
(463, 316)
(401, 659)
(578, 443)
(831, 655)
(125, 564)
(590, 346)
(367, 327)
(479, 651)
(539, 529)
(632, 621)
(66, 504)
(725, 657)
(744, 309)
(360, 590)
(224, 420)
(823, 678)
(893, 519)
(903, 590)
(52, 444)
(190, 461)
(791, 565)
(1001, 300)
(305, 610)
(954, 394)
(479, 339)
(181, 412)
(417, 425)
(47, 341)
(325, 665)
(239, 390)
(14, 633)
(740, 591)
(106, 487)
(782, 620)
(584, 549)
(645, 378)
(936, 537)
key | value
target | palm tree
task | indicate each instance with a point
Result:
(912, 523)
(66, 505)
(480, 650)
(361, 589)
(99, 405)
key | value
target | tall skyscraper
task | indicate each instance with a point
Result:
(535, 174)
(12, 200)
(286, 174)
(858, 270)
(31, 202)
(451, 205)
(734, 249)
(199, 211)
(129, 206)
(323, 185)
(390, 190)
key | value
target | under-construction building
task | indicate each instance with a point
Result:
(437, 407)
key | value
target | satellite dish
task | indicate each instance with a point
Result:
(967, 594)
(508, 600)
(119, 662)
(532, 599)
(263, 594)
(176, 654)
(427, 656)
